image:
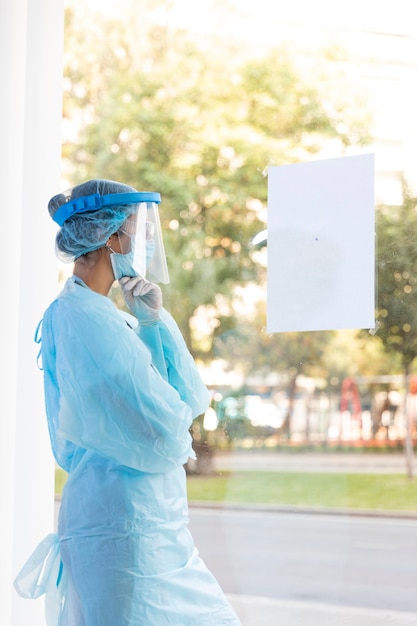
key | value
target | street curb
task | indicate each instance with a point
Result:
(271, 508)
(280, 508)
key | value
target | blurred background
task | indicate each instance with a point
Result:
(196, 101)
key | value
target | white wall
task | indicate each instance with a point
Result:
(31, 44)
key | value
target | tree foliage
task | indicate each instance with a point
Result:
(193, 118)
(397, 279)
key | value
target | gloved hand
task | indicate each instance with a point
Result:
(143, 298)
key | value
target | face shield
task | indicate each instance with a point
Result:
(141, 246)
(140, 237)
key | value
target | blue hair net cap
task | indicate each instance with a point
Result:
(89, 213)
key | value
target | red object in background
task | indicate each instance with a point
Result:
(413, 385)
(350, 398)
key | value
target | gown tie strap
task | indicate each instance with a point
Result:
(43, 574)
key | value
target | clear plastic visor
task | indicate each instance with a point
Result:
(140, 235)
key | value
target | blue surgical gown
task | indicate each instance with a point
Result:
(123, 554)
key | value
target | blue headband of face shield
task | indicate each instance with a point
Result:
(95, 201)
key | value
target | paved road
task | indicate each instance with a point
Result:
(275, 575)
(359, 562)
(306, 570)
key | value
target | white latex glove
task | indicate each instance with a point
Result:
(143, 298)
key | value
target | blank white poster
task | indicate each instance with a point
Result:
(321, 245)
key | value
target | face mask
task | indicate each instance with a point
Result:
(149, 249)
(123, 262)
(141, 247)
(122, 265)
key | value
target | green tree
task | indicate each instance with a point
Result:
(397, 279)
(397, 288)
(156, 107)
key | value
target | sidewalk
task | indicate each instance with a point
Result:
(345, 462)
(256, 611)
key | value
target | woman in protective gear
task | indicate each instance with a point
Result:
(121, 392)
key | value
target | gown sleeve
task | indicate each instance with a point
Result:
(109, 396)
(174, 361)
